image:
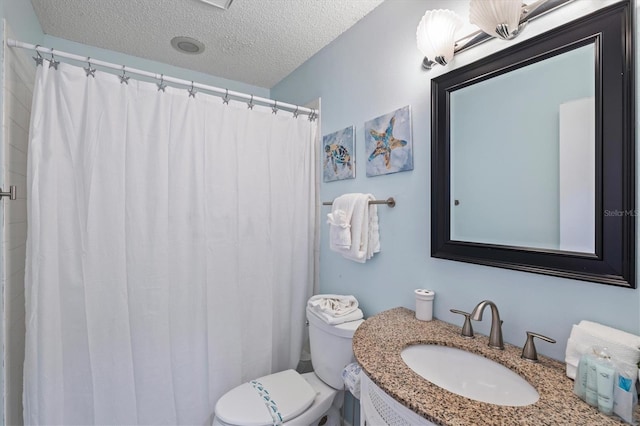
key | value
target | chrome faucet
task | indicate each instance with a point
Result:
(495, 336)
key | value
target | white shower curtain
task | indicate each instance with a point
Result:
(170, 249)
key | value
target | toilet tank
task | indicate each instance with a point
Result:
(331, 348)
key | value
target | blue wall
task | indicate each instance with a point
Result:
(22, 20)
(373, 69)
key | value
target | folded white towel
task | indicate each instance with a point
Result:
(339, 230)
(353, 316)
(334, 305)
(612, 334)
(365, 236)
(621, 345)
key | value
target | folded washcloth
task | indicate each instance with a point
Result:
(365, 236)
(339, 229)
(331, 320)
(623, 347)
(334, 305)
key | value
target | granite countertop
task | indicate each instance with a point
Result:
(377, 345)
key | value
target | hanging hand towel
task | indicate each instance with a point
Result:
(374, 230)
(365, 236)
(339, 230)
(339, 221)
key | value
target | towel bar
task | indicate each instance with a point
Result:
(389, 202)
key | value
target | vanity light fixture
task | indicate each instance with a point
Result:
(498, 18)
(504, 19)
(436, 35)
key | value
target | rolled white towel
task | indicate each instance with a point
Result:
(331, 320)
(334, 305)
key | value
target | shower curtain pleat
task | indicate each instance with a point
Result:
(170, 249)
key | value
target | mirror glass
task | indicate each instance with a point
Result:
(523, 156)
(533, 154)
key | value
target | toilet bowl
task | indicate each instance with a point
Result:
(292, 398)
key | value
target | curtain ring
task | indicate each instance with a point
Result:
(225, 99)
(52, 62)
(192, 91)
(123, 78)
(312, 115)
(250, 104)
(89, 71)
(274, 109)
(296, 113)
(39, 57)
(161, 85)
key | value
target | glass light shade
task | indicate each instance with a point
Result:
(498, 18)
(436, 34)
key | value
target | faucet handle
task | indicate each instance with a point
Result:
(467, 329)
(529, 351)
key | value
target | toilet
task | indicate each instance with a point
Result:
(298, 399)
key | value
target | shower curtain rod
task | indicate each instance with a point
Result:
(225, 93)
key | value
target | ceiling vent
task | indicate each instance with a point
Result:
(187, 45)
(220, 4)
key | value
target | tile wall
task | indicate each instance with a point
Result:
(19, 75)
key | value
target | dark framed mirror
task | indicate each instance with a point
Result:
(533, 154)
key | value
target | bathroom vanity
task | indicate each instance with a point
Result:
(391, 386)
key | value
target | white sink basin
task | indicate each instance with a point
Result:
(469, 375)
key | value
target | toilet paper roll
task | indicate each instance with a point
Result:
(351, 378)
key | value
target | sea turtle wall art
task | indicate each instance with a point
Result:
(388, 144)
(338, 151)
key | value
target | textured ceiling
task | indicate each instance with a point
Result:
(257, 42)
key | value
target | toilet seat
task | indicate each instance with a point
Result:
(244, 405)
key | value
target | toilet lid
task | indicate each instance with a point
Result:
(287, 393)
